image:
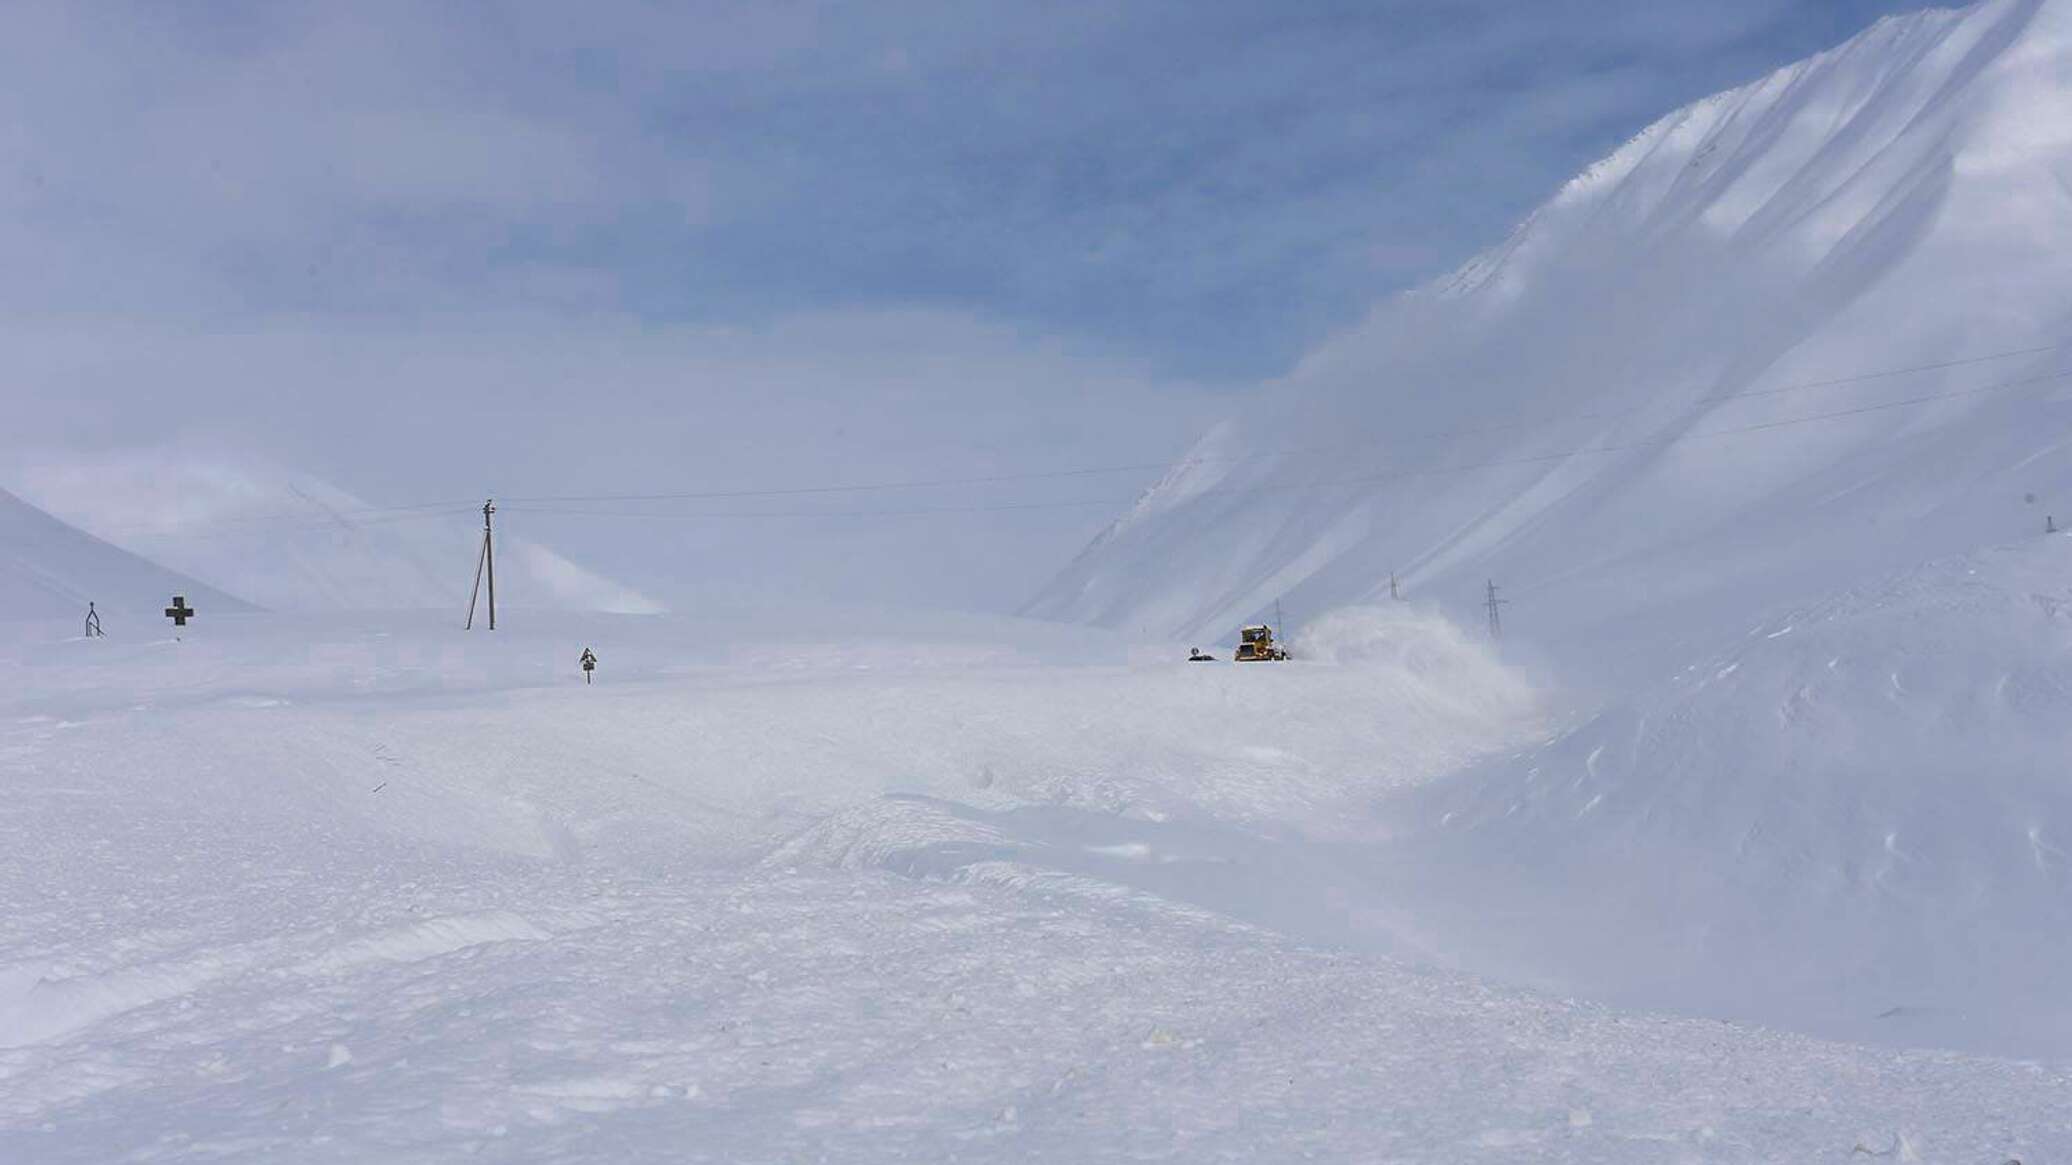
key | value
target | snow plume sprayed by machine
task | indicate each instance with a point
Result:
(1413, 638)
(1415, 661)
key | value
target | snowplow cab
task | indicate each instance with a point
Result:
(1255, 645)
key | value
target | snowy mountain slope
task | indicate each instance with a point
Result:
(1803, 330)
(1860, 808)
(293, 543)
(349, 888)
(51, 571)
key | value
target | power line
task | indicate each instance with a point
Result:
(1766, 426)
(371, 515)
(914, 511)
(1367, 479)
(873, 487)
(1146, 467)
(330, 520)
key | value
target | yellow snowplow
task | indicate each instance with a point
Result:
(1255, 645)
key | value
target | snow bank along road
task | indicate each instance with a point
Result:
(376, 891)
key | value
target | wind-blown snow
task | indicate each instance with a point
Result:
(1686, 308)
(1703, 419)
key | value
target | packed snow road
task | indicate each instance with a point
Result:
(375, 891)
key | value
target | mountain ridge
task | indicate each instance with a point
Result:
(1769, 325)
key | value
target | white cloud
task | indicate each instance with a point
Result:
(420, 252)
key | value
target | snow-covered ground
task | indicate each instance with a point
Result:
(369, 888)
(1853, 816)
(1757, 425)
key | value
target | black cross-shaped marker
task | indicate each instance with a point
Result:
(179, 612)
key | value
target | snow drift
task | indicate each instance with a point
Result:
(1856, 818)
(1807, 329)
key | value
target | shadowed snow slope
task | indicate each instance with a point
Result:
(51, 571)
(1857, 817)
(1696, 310)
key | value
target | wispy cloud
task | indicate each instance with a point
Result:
(374, 237)
(1207, 185)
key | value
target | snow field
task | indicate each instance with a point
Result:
(279, 893)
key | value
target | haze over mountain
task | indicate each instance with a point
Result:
(49, 570)
(290, 542)
(1788, 337)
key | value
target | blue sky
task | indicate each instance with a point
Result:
(970, 235)
(1209, 186)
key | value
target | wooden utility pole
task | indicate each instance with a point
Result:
(489, 555)
(1496, 618)
(486, 560)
